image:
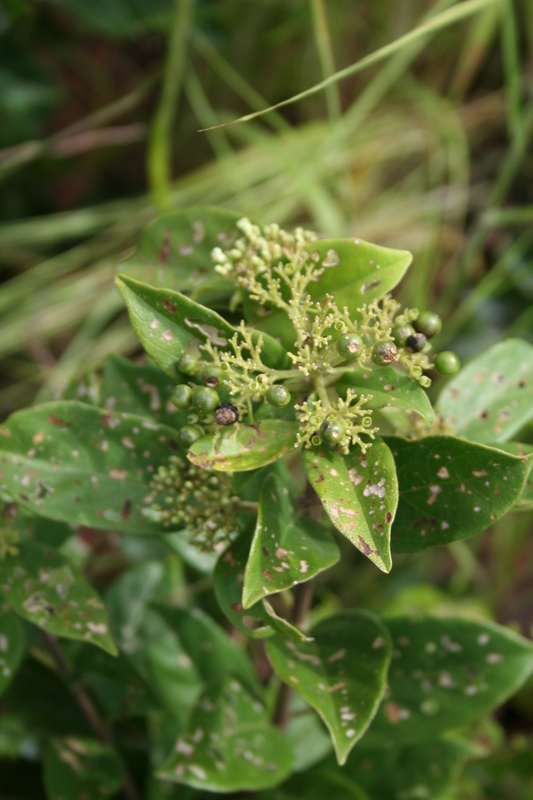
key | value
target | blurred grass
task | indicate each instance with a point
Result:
(428, 150)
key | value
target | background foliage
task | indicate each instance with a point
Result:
(428, 151)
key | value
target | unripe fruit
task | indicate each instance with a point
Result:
(188, 364)
(428, 323)
(350, 346)
(226, 414)
(213, 377)
(416, 342)
(189, 434)
(402, 333)
(206, 400)
(278, 396)
(331, 431)
(383, 353)
(447, 363)
(181, 397)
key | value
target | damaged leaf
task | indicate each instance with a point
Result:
(243, 447)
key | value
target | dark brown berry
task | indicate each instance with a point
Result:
(226, 414)
(416, 342)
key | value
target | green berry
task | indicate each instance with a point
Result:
(402, 333)
(278, 396)
(429, 324)
(416, 342)
(181, 397)
(189, 434)
(331, 431)
(383, 353)
(188, 364)
(206, 400)
(213, 377)
(350, 346)
(447, 363)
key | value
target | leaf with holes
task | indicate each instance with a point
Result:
(446, 672)
(81, 768)
(12, 648)
(41, 586)
(143, 389)
(229, 744)
(450, 489)
(166, 322)
(228, 579)
(360, 493)
(243, 447)
(75, 463)
(175, 250)
(341, 672)
(489, 401)
(388, 388)
(284, 552)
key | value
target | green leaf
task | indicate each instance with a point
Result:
(446, 672)
(41, 586)
(229, 744)
(341, 672)
(490, 399)
(525, 451)
(208, 645)
(166, 322)
(423, 770)
(141, 389)
(12, 648)
(243, 447)
(76, 463)
(175, 249)
(450, 489)
(356, 272)
(81, 768)
(389, 388)
(360, 493)
(228, 580)
(283, 552)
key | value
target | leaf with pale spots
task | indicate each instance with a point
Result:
(175, 250)
(228, 579)
(446, 672)
(41, 586)
(341, 672)
(284, 552)
(81, 768)
(229, 744)
(489, 401)
(424, 770)
(12, 648)
(388, 388)
(142, 389)
(450, 489)
(75, 463)
(242, 447)
(360, 493)
(525, 451)
(355, 272)
(166, 322)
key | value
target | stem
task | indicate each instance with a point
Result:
(321, 391)
(302, 606)
(87, 707)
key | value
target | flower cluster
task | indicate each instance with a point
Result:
(199, 500)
